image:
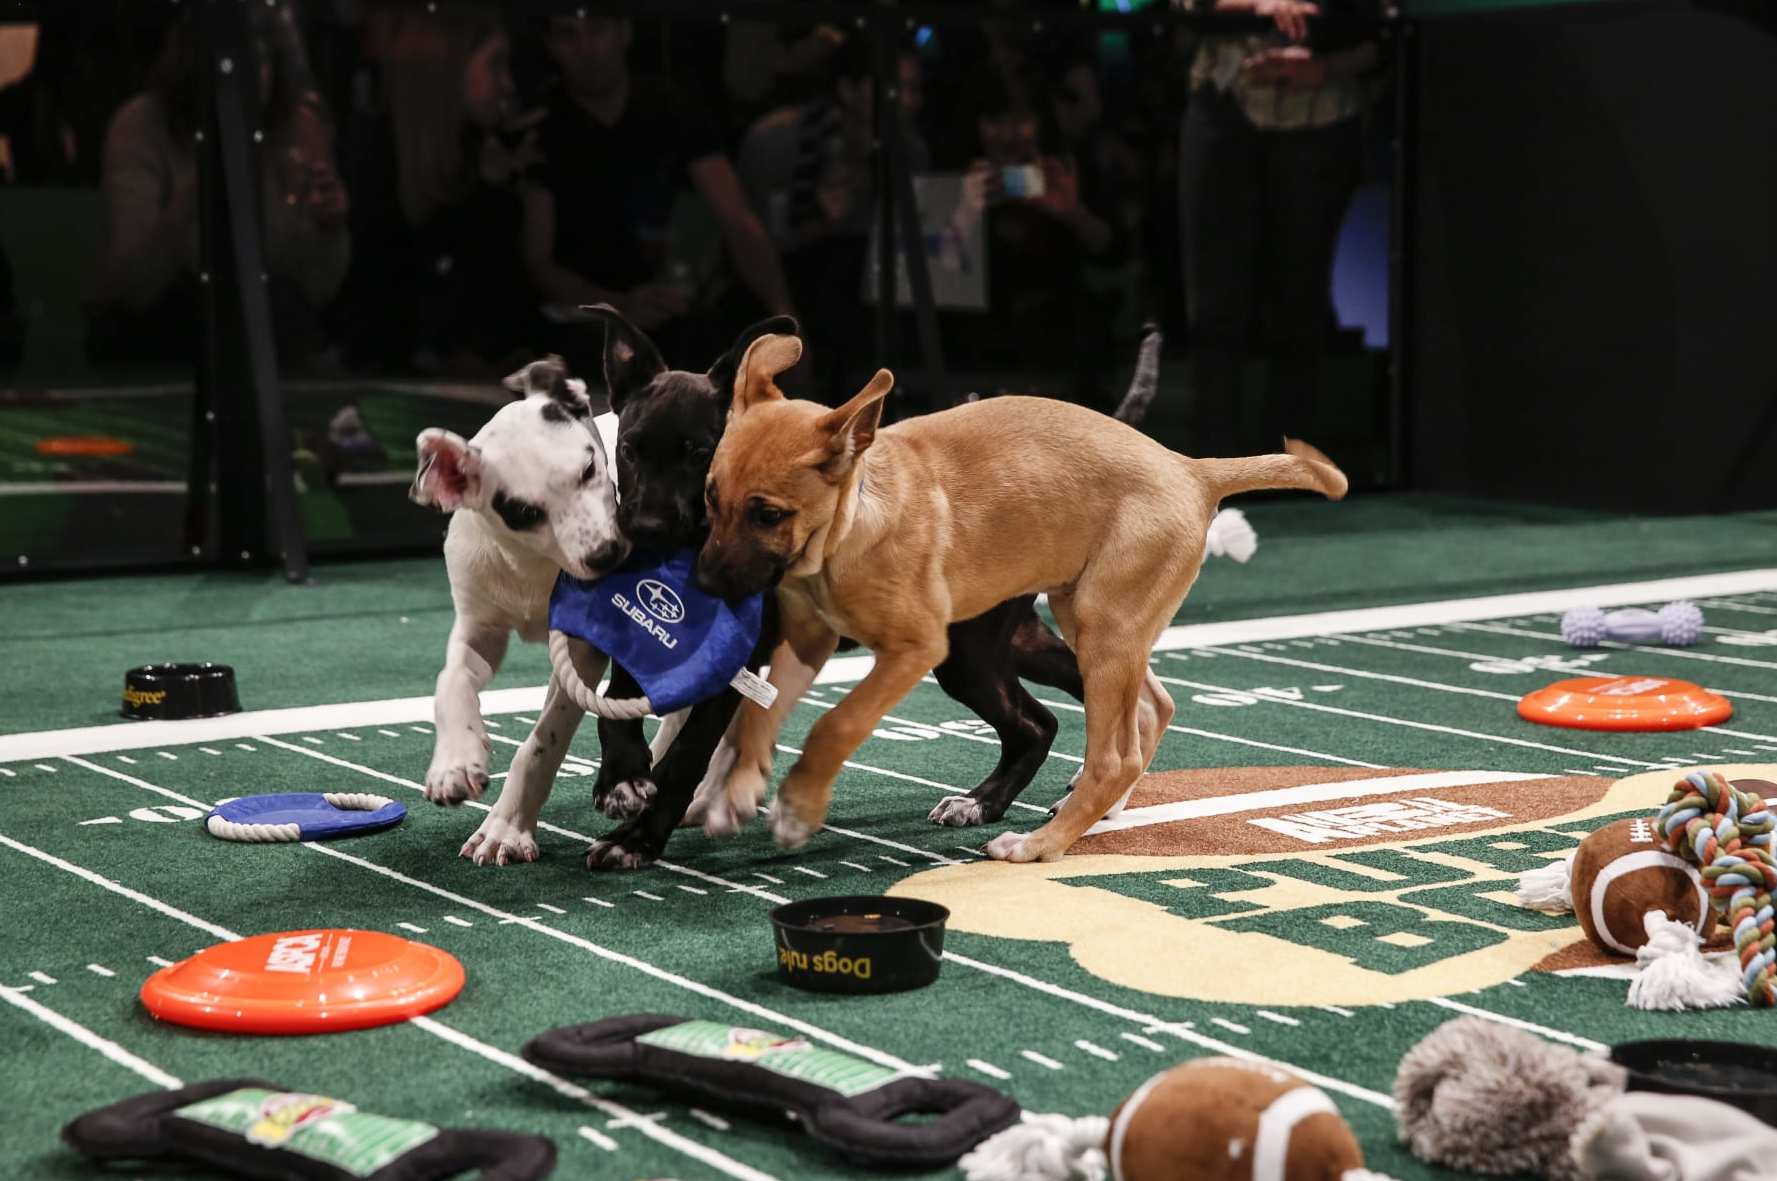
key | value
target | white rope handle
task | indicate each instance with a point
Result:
(356, 801)
(230, 830)
(234, 830)
(568, 677)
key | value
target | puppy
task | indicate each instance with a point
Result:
(989, 657)
(667, 425)
(890, 536)
(529, 496)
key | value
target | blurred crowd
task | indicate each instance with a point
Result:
(444, 184)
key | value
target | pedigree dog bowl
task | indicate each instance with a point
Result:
(1744, 1076)
(162, 691)
(859, 943)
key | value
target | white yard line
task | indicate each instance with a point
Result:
(1500, 629)
(133, 735)
(1557, 1035)
(1307, 793)
(89, 1039)
(1407, 722)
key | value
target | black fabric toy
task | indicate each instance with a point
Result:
(253, 1129)
(845, 1103)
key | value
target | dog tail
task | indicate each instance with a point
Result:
(1299, 466)
(1134, 406)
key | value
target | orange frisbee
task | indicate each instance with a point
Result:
(316, 981)
(90, 445)
(1625, 703)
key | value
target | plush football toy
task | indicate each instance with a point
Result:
(1624, 870)
(1212, 1119)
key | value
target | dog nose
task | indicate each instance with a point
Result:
(708, 581)
(606, 556)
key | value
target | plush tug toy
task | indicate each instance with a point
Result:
(1212, 1119)
(1482, 1098)
(681, 645)
(1655, 887)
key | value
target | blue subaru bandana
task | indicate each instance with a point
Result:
(681, 645)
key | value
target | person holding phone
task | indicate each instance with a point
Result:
(1270, 154)
(1042, 231)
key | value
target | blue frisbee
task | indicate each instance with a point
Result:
(303, 816)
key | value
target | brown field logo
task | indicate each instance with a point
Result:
(1306, 885)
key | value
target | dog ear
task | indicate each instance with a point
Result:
(631, 360)
(852, 427)
(722, 373)
(449, 470)
(765, 358)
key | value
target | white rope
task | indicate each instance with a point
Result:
(568, 677)
(356, 801)
(230, 830)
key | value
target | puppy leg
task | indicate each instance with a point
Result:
(1114, 686)
(664, 735)
(625, 781)
(1042, 656)
(979, 673)
(459, 750)
(642, 839)
(807, 790)
(795, 663)
(510, 831)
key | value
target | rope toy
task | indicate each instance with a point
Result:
(1727, 834)
(1676, 625)
(562, 648)
(302, 816)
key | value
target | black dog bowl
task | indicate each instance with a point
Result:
(160, 691)
(862, 943)
(1742, 1075)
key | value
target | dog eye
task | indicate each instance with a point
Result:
(766, 516)
(696, 450)
(625, 451)
(592, 470)
(709, 496)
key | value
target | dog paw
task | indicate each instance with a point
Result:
(451, 781)
(957, 812)
(1010, 846)
(787, 829)
(628, 799)
(613, 854)
(500, 841)
(722, 819)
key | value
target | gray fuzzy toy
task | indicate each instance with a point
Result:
(1478, 1096)
(1487, 1099)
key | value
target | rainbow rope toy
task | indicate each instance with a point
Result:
(1727, 833)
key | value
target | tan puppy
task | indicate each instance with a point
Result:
(889, 537)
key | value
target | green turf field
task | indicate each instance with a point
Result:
(1341, 652)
